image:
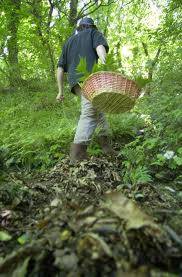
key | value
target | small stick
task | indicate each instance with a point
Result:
(166, 211)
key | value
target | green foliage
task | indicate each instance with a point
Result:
(125, 124)
(41, 35)
(83, 70)
(159, 148)
(136, 176)
(4, 236)
(141, 82)
(35, 130)
(134, 173)
(23, 239)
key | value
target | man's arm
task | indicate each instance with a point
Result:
(60, 81)
(101, 52)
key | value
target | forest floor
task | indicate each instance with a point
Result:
(82, 221)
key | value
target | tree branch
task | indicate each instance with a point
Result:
(145, 49)
(86, 6)
(157, 56)
(154, 61)
(85, 13)
(50, 15)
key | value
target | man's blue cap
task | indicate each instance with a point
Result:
(86, 21)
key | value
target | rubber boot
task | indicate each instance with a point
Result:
(78, 152)
(106, 146)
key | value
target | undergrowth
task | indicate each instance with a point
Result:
(157, 153)
(36, 131)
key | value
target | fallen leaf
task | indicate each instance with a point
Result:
(127, 210)
(56, 202)
(96, 244)
(4, 236)
(65, 235)
(23, 239)
(64, 261)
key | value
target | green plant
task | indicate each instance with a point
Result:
(134, 172)
(35, 130)
(137, 175)
(84, 73)
(159, 148)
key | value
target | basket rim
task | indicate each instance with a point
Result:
(110, 72)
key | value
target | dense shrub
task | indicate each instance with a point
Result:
(158, 151)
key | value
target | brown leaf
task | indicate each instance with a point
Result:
(95, 244)
(127, 210)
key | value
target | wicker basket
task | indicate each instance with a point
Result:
(110, 92)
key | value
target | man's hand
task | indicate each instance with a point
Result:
(60, 80)
(60, 97)
(101, 52)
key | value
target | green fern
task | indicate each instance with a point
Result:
(140, 175)
(142, 82)
(82, 67)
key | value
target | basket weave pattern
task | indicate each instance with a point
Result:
(109, 82)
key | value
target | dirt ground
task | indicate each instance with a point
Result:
(82, 221)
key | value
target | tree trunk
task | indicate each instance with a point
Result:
(12, 10)
(107, 21)
(97, 18)
(153, 62)
(44, 38)
(73, 13)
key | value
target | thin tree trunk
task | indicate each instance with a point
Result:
(97, 19)
(45, 40)
(107, 21)
(12, 10)
(153, 62)
(73, 13)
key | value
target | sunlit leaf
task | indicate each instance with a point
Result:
(23, 239)
(4, 236)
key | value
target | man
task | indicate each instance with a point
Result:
(88, 43)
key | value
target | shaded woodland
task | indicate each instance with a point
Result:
(108, 216)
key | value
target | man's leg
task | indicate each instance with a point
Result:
(87, 123)
(85, 128)
(102, 125)
(90, 118)
(104, 134)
